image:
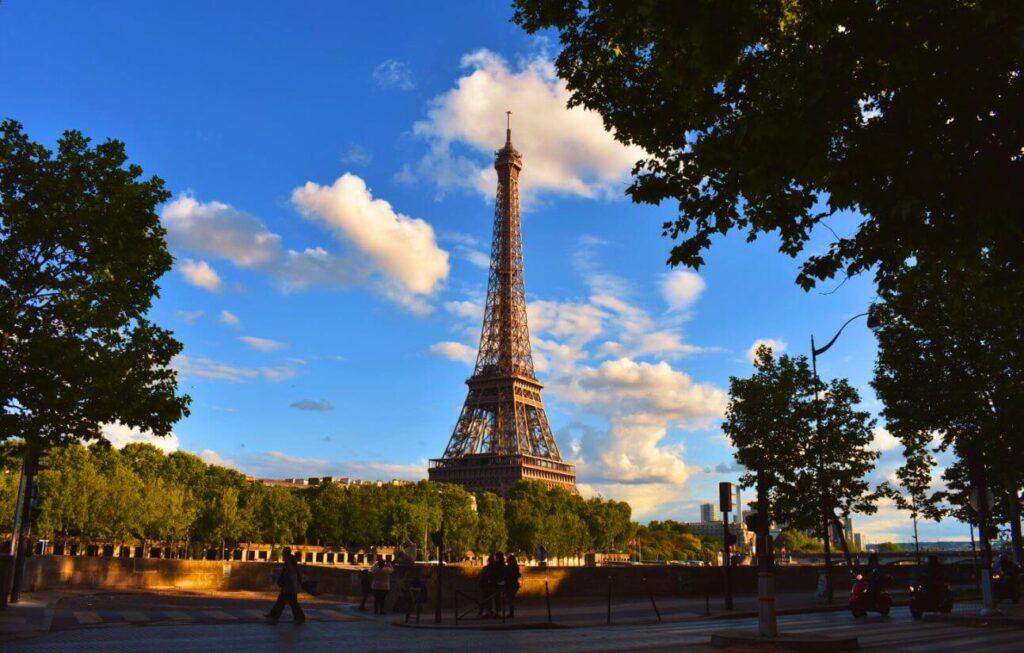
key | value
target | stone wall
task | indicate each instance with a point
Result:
(92, 572)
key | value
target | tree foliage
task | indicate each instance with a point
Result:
(81, 250)
(777, 116)
(669, 540)
(138, 493)
(772, 420)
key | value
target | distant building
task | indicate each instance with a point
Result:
(312, 481)
(707, 513)
(858, 541)
(714, 530)
(737, 509)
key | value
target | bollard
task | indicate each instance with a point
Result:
(547, 598)
(609, 600)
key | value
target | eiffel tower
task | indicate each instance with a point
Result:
(502, 434)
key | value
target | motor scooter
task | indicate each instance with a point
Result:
(923, 600)
(861, 602)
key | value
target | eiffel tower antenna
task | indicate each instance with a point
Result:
(503, 435)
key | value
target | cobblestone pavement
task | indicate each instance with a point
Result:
(356, 631)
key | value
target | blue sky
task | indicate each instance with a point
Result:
(331, 220)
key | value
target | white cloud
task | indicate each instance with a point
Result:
(221, 231)
(777, 347)
(681, 288)
(212, 370)
(119, 434)
(476, 257)
(263, 344)
(394, 74)
(199, 273)
(229, 318)
(455, 351)
(883, 440)
(211, 457)
(565, 150)
(188, 317)
(471, 310)
(403, 248)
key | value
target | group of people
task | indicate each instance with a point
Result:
(499, 584)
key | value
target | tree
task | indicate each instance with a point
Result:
(492, 533)
(889, 547)
(609, 522)
(807, 438)
(81, 250)
(915, 479)
(797, 542)
(949, 364)
(777, 116)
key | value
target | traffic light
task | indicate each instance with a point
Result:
(751, 522)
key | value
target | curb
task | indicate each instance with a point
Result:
(810, 643)
(994, 620)
(537, 625)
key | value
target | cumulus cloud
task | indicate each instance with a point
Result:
(394, 254)
(199, 273)
(218, 230)
(681, 288)
(777, 347)
(403, 248)
(263, 344)
(394, 74)
(228, 318)
(467, 309)
(883, 440)
(211, 457)
(118, 435)
(565, 150)
(313, 405)
(455, 351)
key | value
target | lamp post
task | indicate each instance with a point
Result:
(873, 321)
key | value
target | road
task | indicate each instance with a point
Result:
(342, 629)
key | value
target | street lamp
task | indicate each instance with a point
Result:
(874, 321)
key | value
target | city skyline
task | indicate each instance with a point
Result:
(331, 223)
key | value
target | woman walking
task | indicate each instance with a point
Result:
(290, 582)
(381, 584)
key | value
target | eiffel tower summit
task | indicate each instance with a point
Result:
(503, 435)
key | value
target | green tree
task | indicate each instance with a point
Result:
(778, 116)
(492, 532)
(81, 250)
(808, 438)
(949, 364)
(889, 547)
(609, 522)
(796, 542)
(914, 478)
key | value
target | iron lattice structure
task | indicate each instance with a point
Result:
(503, 434)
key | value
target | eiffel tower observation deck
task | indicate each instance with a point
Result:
(503, 434)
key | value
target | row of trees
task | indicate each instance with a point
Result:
(138, 493)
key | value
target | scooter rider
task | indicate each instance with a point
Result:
(874, 578)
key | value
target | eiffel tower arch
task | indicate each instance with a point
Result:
(503, 435)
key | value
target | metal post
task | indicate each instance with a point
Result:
(19, 539)
(726, 562)
(440, 577)
(547, 598)
(822, 486)
(767, 625)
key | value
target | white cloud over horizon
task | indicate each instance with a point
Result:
(118, 435)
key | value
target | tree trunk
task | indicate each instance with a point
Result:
(842, 543)
(1015, 534)
(19, 535)
(917, 543)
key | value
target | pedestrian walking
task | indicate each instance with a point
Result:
(381, 584)
(498, 574)
(487, 585)
(364, 587)
(512, 576)
(290, 582)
